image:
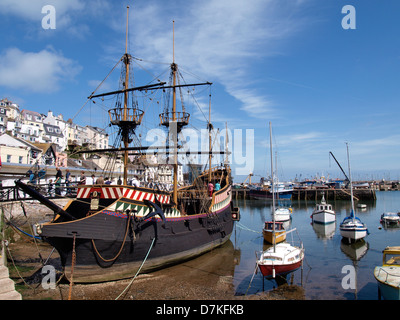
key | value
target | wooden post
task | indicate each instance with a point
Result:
(2, 237)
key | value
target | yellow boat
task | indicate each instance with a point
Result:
(268, 232)
(388, 275)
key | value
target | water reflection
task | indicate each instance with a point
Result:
(324, 231)
(355, 251)
(325, 253)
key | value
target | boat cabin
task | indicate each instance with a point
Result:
(323, 207)
(269, 225)
(391, 256)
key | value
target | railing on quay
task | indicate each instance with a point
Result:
(12, 193)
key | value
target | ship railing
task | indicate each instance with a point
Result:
(192, 194)
(132, 115)
(181, 118)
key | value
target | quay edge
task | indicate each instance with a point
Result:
(367, 194)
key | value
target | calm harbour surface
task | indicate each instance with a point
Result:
(325, 273)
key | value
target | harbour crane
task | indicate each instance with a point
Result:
(247, 178)
(347, 178)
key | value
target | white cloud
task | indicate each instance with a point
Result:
(35, 71)
(219, 40)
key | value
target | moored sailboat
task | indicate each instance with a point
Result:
(282, 258)
(109, 232)
(352, 228)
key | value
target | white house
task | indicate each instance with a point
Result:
(58, 121)
(12, 150)
(96, 138)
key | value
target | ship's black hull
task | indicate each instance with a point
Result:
(100, 237)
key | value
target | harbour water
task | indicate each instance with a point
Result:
(328, 265)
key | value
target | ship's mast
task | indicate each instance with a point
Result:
(174, 69)
(209, 141)
(176, 120)
(125, 118)
(273, 188)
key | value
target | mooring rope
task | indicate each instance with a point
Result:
(73, 258)
(123, 242)
(255, 271)
(241, 226)
(15, 267)
(140, 268)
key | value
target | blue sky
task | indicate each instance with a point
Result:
(285, 61)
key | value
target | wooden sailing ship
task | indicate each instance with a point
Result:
(108, 231)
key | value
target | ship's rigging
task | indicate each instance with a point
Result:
(127, 115)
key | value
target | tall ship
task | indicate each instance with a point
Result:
(109, 232)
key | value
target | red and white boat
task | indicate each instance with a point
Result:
(280, 259)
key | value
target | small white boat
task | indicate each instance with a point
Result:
(283, 214)
(362, 206)
(388, 275)
(390, 218)
(323, 213)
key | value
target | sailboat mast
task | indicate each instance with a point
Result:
(126, 135)
(351, 183)
(273, 189)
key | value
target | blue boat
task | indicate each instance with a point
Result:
(282, 192)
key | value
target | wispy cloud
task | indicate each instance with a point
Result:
(35, 71)
(219, 40)
(71, 16)
(376, 146)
